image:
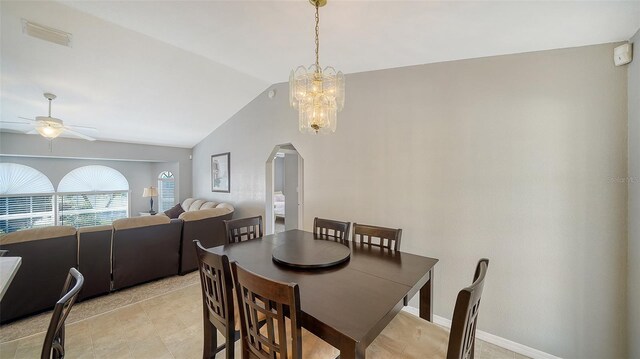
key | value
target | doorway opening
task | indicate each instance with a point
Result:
(284, 197)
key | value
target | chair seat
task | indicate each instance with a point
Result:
(312, 346)
(408, 336)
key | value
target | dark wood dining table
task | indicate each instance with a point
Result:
(349, 304)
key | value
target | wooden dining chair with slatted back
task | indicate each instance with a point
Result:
(54, 339)
(282, 335)
(332, 230)
(419, 338)
(243, 229)
(218, 309)
(377, 236)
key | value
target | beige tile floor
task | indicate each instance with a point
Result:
(168, 325)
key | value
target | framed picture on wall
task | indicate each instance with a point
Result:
(220, 172)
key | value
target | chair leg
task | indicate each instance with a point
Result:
(210, 341)
(230, 344)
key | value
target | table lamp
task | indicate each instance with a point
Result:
(150, 192)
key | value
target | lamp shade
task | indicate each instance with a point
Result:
(150, 192)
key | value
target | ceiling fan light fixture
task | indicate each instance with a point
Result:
(49, 127)
(49, 132)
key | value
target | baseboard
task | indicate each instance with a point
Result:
(493, 339)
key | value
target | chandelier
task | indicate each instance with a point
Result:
(317, 94)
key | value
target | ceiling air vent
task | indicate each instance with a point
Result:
(46, 33)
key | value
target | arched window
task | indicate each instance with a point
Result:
(91, 196)
(26, 198)
(166, 191)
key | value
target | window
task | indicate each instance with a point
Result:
(166, 191)
(26, 198)
(91, 196)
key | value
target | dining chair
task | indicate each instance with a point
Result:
(218, 309)
(282, 335)
(416, 337)
(377, 236)
(332, 230)
(243, 229)
(53, 346)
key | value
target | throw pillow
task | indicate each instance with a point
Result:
(174, 212)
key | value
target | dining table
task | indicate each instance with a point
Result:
(350, 302)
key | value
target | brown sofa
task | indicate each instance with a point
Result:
(130, 251)
(94, 260)
(47, 255)
(144, 248)
(204, 225)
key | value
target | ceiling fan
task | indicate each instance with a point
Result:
(51, 127)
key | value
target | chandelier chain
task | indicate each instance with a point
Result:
(317, 38)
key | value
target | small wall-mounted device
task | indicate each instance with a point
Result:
(271, 93)
(623, 54)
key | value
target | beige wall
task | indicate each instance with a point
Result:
(516, 158)
(634, 201)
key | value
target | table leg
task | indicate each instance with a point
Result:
(353, 351)
(426, 299)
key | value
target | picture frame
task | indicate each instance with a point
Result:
(221, 172)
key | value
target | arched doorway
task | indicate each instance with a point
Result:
(284, 187)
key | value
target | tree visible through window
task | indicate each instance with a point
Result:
(26, 198)
(166, 191)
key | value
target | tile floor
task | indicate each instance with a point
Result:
(148, 325)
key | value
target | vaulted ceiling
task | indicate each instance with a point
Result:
(170, 72)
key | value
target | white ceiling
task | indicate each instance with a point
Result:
(170, 72)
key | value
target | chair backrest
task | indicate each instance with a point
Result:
(332, 230)
(217, 289)
(243, 229)
(258, 295)
(382, 236)
(54, 339)
(465, 316)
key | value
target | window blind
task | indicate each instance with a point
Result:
(92, 209)
(166, 191)
(22, 212)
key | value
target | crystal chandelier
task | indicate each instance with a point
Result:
(317, 94)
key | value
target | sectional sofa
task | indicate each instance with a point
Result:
(128, 252)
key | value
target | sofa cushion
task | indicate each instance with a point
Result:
(34, 234)
(175, 211)
(208, 205)
(105, 227)
(225, 205)
(196, 205)
(203, 213)
(187, 203)
(135, 222)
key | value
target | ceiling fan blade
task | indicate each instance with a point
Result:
(76, 133)
(20, 123)
(28, 119)
(86, 128)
